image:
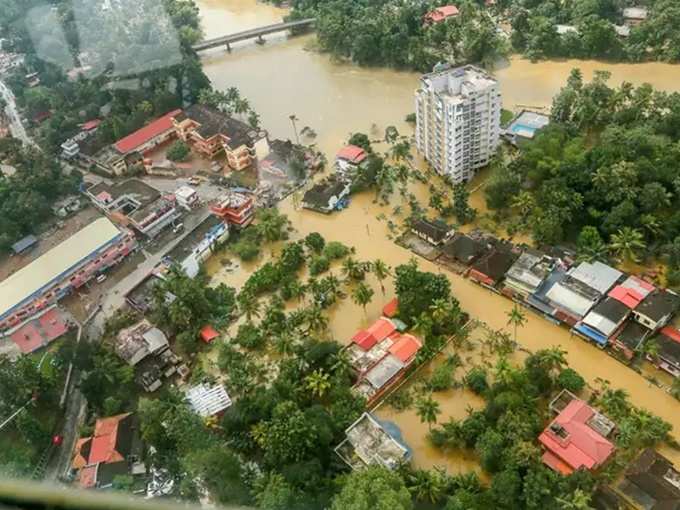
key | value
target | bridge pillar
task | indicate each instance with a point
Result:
(229, 47)
(259, 40)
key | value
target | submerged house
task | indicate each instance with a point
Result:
(656, 309)
(630, 338)
(371, 442)
(668, 355)
(527, 274)
(577, 436)
(602, 321)
(582, 287)
(380, 356)
(463, 250)
(434, 232)
(349, 160)
(651, 482)
(490, 269)
(326, 196)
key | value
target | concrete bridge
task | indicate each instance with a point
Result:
(227, 40)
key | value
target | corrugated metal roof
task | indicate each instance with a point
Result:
(597, 276)
(58, 260)
(569, 300)
(208, 401)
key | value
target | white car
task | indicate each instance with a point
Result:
(101, 278)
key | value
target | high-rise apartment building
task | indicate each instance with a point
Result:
(458, 116)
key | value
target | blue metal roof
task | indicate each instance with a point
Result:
(24, 244)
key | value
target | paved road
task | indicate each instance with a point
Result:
(16, 127)
(74, 414)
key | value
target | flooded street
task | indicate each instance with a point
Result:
(282, 78)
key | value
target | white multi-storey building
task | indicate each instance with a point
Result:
(458, 117)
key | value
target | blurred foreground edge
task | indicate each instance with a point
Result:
(21, 494)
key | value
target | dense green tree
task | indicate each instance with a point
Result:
(417, 290)
(374, 488)
(178, 151)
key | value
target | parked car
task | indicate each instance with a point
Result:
(101, 278)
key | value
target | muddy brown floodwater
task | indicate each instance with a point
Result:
(284, 77)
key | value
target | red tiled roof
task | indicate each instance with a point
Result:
(628, 297)
(671, 333)
(143, 135)
(364, 339)
(376, 332)
(582, 446)
(79, 461)
(405, 348)
(441, 13)
(208, 334)
(390, 309)
(352, 153)
(103, 447)
(632, 291)
(90, 124)
(556, 464)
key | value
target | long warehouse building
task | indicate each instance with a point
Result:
(66, 267)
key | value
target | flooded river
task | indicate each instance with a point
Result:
(283, 78)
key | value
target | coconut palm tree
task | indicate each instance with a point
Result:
(626, 244)
(675, 388)
(318, 382)
(315, 319)
(426, 486)
(284, 343)
(577, 500)
(381, 271)
(517, 318)
(525, 204)
(342, 364)
(249, 305)
(362, 295)
(428, 409)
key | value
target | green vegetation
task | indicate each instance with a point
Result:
(183, 305)
(124, 53)
(602, 175)
(392, 33)
(535, 34)
(178, 151)
(503, 436)
(26, 196)
(27, 383)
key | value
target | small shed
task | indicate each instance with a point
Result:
(209, 334)
(25, 244)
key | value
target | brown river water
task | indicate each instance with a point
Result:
(285, 77)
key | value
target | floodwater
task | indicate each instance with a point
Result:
(284, 77)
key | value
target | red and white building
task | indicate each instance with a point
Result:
(66, 267)
(349, 159)
(380, 356)
(234, 208)
(577, 437)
